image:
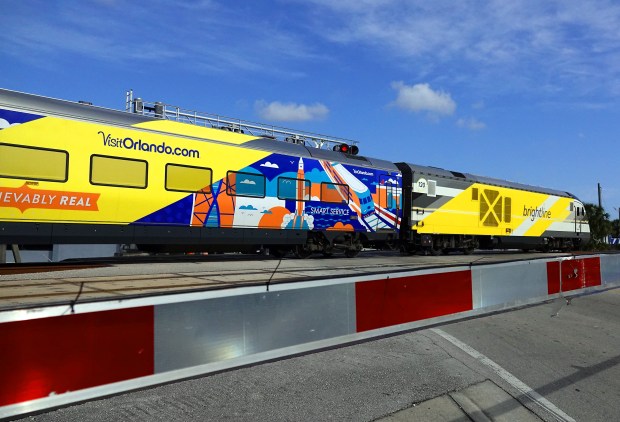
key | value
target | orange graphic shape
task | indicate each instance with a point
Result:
(274, 219)
(341, 227)
(24, 198)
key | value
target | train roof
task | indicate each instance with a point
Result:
(303, 151)
(64, 108)
(439, 172)
(85, 111)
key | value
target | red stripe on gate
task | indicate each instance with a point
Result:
(581, 273)
(383, 303)
(56, 355)
(575, 274)
(553, 277)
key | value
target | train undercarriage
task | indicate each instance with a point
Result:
(326, 243)
(438, 244)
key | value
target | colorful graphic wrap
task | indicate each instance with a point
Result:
(284, 192)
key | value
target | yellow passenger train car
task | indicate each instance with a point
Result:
(75, 173)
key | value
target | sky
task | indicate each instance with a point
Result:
(521, 90)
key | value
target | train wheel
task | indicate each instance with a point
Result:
(351, 253)
(390, 245)
(301, 252)
(408, 250)
(278, 253)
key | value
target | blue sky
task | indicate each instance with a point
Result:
(522, 90)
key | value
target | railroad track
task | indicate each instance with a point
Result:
(35, 285)
(77, 264)
(7, 269)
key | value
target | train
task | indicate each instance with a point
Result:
(172, 180)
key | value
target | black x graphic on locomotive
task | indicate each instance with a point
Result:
(490, 208)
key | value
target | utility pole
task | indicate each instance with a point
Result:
(600, 200)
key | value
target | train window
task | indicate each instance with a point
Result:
(245, 184)
(571, 207)
(474, 194)
(188, 178)
(297, 189)
(334, 192)
(19, 162)
(115, 171)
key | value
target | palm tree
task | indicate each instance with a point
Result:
(600, 226)
(616, 225)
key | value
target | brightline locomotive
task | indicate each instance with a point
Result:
(170, 180)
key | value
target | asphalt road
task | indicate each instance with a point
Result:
(568, 354)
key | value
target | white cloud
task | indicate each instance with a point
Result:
(248, 182)
(572, 44)
(4, 124)
(270, 165)
(470, 123)
(290, 112)
(421, 97)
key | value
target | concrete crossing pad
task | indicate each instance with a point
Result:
(481, 402)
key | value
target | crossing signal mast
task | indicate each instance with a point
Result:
(308, 139)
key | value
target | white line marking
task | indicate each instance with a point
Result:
(507, 376)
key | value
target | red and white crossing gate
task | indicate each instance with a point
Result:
(51, 357)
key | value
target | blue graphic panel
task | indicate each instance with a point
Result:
(178, 213)
(9, 117)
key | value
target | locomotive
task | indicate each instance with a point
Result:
(168, 179)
